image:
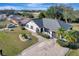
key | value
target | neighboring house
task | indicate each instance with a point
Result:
(3, 16)
(24, 21)
(18, 20)
(11, 26)
(47, 26)
(14, 19)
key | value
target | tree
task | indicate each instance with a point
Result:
(28, 15)
(60, 33)
(51, 12)
(68, 13)
(69, 36)
(62, 11)
(41, 15)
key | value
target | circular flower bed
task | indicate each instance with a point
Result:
(23, 38)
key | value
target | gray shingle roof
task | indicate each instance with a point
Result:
(24, 21)
(64, 25)
(39, 22)
(52, 24)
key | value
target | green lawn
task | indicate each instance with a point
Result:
(11, 44)
(73, 52)
(75, 26)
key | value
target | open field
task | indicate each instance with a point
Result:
(11, 44)
(75, 26)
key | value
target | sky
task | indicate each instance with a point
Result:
(32, 6)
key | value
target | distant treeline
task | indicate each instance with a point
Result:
(17, 11)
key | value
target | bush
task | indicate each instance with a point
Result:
(62, 43)
(29, 38)
(23, 28)
(25, 36)
(11, 29)
(70, 45)
(74, 45)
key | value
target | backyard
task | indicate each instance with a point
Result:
(11, 44)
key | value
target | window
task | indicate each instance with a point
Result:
(31, 27)
(37, 30)
(71, 28)
(46, 30)
(27, 25)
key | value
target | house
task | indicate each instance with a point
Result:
(3, 16)
(47, 26)
(10, 26)
(24, 21)
(18, 20)
(14, 19)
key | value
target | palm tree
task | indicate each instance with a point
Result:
(70, 36)
(60, 33)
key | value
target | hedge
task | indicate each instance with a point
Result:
(71, 45)
(44, 35)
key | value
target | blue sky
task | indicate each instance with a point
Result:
(32, 6)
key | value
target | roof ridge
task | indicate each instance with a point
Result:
(59, 22)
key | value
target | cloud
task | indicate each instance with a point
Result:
(26, 6)
(34, 5)
(37, 6)
(7, 7)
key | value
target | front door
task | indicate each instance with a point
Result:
(41, 29)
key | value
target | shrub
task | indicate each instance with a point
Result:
(25, 36)
(11, 29)
(23, 28)
(62, 43)
(73, 45)
(70, 45)
(29, 38)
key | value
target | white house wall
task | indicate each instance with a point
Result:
(31, 23)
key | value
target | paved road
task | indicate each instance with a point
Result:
(44, 48)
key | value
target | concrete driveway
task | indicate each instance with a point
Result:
(44, 48)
